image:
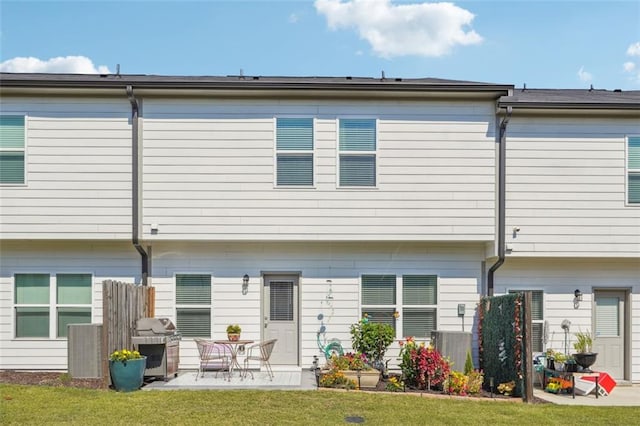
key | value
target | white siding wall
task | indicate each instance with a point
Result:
(209, 173)
(458, 268)
(114, 261)
(566, 187)
(78, 163)
(559, 278)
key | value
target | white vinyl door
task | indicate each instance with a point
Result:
(281, 317)
(608, 332)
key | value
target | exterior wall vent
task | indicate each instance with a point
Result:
(84, 351)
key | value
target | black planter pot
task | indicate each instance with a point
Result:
(570, 367)
(585, 360)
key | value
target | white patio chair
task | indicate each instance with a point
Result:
(213, 356)
(260, 352)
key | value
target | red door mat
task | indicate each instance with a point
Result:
(605, 382)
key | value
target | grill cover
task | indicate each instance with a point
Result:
(155, 327)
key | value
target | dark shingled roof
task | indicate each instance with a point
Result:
(572, 98)
(243, 82)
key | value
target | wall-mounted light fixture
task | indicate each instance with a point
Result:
(577, 298)
(245, 284)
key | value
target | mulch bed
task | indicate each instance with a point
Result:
(48, 378)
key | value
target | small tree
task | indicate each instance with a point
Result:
(468, 364)
(372, 339)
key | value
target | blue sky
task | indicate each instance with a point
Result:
(545, 44)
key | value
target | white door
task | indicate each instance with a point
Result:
(281, 317)
(608, 332)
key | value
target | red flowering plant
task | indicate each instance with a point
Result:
(423, 366)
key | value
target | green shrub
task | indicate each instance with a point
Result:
(372, 339)
(468, 364)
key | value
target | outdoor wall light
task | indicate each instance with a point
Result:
(578, 295)
(245, 284)
(577, 298)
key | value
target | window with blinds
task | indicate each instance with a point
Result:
(419, 300)
(294, 151)
(357, 144)
(416, 311)
(193, 305)
(281, 301)
(633, 169)
(537, 319)
(45, 307)
(12, 149)
(32, 305)
(73, 294)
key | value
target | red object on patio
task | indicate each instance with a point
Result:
(605, 382)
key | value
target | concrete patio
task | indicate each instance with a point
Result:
(286, 378)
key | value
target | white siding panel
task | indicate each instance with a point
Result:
(566, 187)
(78, 170)
(558, 279)
(197, 153)
(459, 269)
(104, 261)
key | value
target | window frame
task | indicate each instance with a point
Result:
(292, 153)
(52, 306)
(629, 171)
(373, 153)
(193, 306)
(399, 305)
(540, 321)
(23, 149)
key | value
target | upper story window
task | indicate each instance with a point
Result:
(66, 299)
(12, 149)
(357, 152)
(294, 151)
(193, 305)
(633, 169)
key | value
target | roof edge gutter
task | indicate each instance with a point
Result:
(135, 185)
(502, 168)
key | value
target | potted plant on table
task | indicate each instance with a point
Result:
(233, 332)
(127, 370)
(584, 357)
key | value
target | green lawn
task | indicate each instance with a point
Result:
(47, 405)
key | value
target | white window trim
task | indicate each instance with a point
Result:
(176, 306)
(544, 307)
(399, 306)
(23, 149)
(628, 171)
(307, 152)
(53, 304)
(356, 153)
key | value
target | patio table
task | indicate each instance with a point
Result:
(234, 347)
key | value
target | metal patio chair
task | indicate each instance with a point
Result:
(213, 356)
(260, 352)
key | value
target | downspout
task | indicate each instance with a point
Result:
(502, 168)
(135, 187)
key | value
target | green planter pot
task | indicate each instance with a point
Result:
(127, 376)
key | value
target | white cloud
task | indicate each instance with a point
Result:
(61, 64)
(634, 49)
(632, 67)
(584, 75)
(293, 18)
(422, 29)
